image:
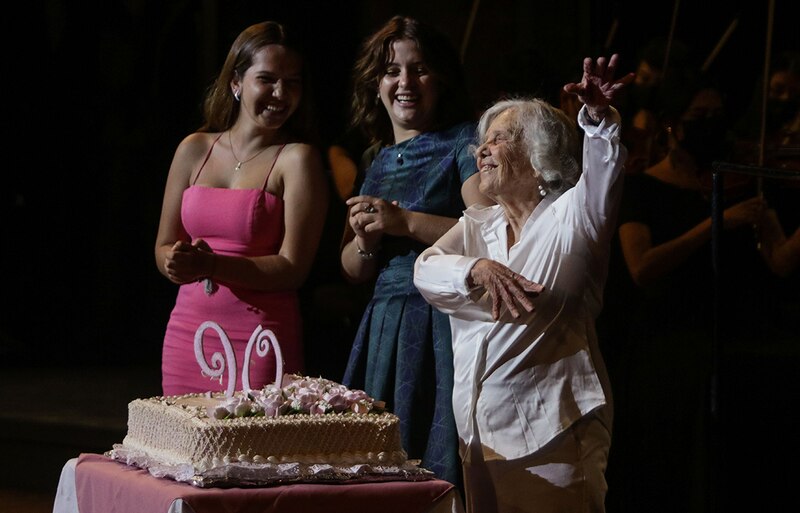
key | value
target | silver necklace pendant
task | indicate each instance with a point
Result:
(238, 166)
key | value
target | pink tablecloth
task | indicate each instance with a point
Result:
(107, 486)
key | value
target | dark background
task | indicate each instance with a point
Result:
(98, 95)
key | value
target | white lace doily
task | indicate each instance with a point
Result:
(266, 474)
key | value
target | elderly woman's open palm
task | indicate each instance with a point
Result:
(598, 87)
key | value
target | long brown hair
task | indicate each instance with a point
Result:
(441, 58)
(220, 108)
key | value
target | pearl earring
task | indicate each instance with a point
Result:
(542, 192)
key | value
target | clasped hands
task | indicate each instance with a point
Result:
(371, 217)
(186, 262)
(505, 287)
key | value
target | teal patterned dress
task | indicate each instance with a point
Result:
(402, 352)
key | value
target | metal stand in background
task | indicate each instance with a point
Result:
(717, 209)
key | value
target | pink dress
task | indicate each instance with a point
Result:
(233, 222)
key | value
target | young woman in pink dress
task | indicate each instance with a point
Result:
(242, 215)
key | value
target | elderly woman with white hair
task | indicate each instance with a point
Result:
(522, 282)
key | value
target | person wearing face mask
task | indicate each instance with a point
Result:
(640, 103)
(660, 461)
(418, 176)
(704, 134)
(242, 215)
(783, 103)
(781, 116)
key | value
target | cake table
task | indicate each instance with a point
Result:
(94, 483)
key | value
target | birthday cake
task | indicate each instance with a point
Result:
(298, 428)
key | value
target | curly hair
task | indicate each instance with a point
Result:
(441, 58)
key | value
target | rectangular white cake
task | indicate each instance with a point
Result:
(310, 421)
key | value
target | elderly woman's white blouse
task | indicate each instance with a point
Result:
(520, 382)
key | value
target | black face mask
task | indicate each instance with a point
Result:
(705, 139)
(780, 112)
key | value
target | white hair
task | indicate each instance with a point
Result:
(546, 135)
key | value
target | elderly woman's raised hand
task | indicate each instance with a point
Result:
(504, 286)
(598, 87)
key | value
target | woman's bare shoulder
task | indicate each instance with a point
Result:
(301, 150)
(196, 145)
(301, 155)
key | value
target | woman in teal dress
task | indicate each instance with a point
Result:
(420, 174)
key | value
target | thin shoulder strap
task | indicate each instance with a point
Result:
(272, 166)
(206, 159)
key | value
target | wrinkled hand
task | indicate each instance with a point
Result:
(371, 217)
(747, 212)
(186, 262)
(504, 286)
(598, 87)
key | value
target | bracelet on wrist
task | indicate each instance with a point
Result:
(209, 285)
(366, 255)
